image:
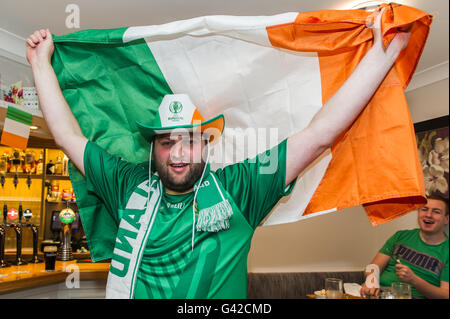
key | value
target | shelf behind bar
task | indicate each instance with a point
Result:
(34, 176)
(59, 202)
(60, 177)
(20, 199)
(22, 175)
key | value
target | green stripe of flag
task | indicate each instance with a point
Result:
(19, 115)
(108, 85)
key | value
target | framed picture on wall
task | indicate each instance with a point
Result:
(433, 144)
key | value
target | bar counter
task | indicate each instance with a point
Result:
(15, 278)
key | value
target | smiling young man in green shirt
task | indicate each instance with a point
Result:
(419, 257)
(184, 230)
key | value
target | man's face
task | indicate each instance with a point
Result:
(432, 217)
(178, 160)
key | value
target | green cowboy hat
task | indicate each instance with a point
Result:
(177, 113)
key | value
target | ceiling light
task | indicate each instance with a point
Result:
(34, 127)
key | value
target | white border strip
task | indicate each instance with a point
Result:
(429, 76)
(12, 47)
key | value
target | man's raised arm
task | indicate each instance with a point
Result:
(58, 116)
(345, 105)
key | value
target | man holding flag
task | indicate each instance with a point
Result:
(182, 230)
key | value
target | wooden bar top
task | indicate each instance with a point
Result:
(15, 278)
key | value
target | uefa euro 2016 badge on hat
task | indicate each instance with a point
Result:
(177, 111)
(175, 107)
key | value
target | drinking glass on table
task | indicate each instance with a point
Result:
(50, 253)
(401, 290)
(386, 294)
(334, 288)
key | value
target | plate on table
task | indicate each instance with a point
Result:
(320, 294)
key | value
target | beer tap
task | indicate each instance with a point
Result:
(19, 231)
(5, 214)
(28, 181)
(3, 263)
(66, 216)
(16, 180)
(20, 213)
(3, 226)
(3, 239)
(27, 214)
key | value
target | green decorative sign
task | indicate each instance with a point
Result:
(67, 216)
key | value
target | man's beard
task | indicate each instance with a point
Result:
(193, 175)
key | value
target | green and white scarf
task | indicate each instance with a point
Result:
(214, 213)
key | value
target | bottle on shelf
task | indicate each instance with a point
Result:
(8, 161)
(40, 164)
(29, 163)
(22, 162)
(4, 160)
(33, 157)
(54, 194)
(16, 163)
(65, 165)
(50, 168)
(58, 165)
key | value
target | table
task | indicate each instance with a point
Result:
(16, 278)
(345, 296)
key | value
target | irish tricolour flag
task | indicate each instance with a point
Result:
(261, 72)
(16, 128)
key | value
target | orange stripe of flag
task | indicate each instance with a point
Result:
(13, 140)
(375, 162)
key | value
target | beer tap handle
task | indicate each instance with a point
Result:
(5, 214)
(3, 263)
(29, 181)
(27, 214)
(34, 258)
(20, 213)
(16, 180)
(19, 260)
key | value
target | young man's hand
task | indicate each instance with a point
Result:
(397, 44)
(39, 47)
(368, 292)
(404, 273)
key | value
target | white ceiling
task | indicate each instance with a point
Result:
(22, 17)
(19, 18)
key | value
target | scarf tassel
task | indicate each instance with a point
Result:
(215, 218)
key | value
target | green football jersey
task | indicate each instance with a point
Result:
(217, 265)
(429, 262)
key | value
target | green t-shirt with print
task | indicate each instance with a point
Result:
(429, 262)
(217, 266)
